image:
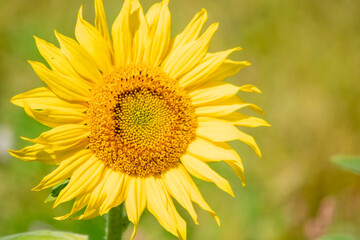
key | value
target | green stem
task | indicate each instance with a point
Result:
(116, 223)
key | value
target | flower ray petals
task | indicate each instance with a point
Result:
(202, 171)
(100, 20)
(135, 201)
(211, 152)
(116, 191)
(80, 203)
(96, 198)
(79, 58)
(192, 30)
(195, 194)
(249, 88)
(64, 170)
(175, 185)
(214, 152)
(158, 18)
(217, 130)
(64, 137)
(159, 203)
(228, 106)
(140, 30)
(243, 120)
(227, 69)
(40, 98)
(63, 86)
(37, 152)
(213, 92)
(82, 180)
(56, 59)
(121, 34)
(183, 59)
(94, 43)
(55, 117)
(206, 67)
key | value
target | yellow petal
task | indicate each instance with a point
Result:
(184, 59)
(37, 152)
(176, 185)
(220, 110)
(158, 38)
(80, 203)
(225, 107)
(227, 69)
(181, 224)
(243, 120)
(192, 30)
(96, 197)
(139, 27)
(82, 180)
(249, 88)
(195, 194)
(63, 86)
(214, 91)
(65, 169)
(94, 43)
(40, 98)
(159, 203)
(116, 189)
(202, 171)
(213, 152)
(55, 117)
(206, 67)
(57, 60)
(79, 58)
(122, 37)
(238, 168)
(100, 20)
(135, 201)
(44, 154)
(210, 152)
(64, 137)
(217, 130)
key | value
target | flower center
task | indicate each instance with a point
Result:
(140, 121)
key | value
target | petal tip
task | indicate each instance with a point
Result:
(266, 124)
(12, 153)
(61, 217)
(37, 188)
(80, 13)
(26, 139)
(217, 219)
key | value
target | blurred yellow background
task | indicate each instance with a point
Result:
(306, 60)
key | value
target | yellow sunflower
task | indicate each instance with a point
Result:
(134, 114)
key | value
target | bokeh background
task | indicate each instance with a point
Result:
(306, 60)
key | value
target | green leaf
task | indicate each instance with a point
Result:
(337, 237)
(351, 163)
(45, 235)
(56, 190)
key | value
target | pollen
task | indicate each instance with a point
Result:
(140, 121)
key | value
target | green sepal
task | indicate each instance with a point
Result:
(45, 235)
(56, 190)
(351, 163)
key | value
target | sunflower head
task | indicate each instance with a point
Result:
(141, 122)
(135, 113)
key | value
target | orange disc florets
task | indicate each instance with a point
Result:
(140, 121)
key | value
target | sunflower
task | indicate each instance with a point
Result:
(135, 114)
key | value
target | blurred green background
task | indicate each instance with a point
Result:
(306, 60)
